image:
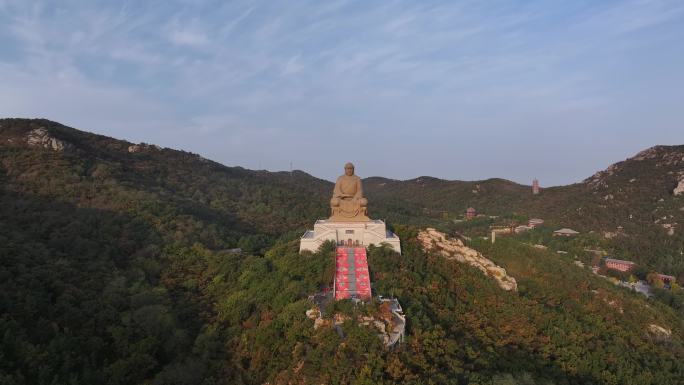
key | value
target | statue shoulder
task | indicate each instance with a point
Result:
(348, 179)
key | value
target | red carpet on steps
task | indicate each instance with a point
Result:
(351, 273)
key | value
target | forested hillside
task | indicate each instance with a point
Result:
(630, 206)
(117, 267)
(182, 194)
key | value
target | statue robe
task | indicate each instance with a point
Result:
(348, 186)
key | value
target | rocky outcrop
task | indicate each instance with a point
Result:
(598, 180)
(665, 155)
(143, 147)
(660, 157)
(40, 137)
(319, 322)
(433, 240)
(679, 190)
(670, 228)
(658, 332)
(389, 322)
(649, 153)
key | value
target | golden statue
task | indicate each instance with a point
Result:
(347, 203)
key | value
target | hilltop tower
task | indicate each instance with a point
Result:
(535, 187)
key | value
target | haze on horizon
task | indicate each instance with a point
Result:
(457, 90)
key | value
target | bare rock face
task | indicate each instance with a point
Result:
(670, 227)
(649, 153)
(313, 313)
(659, 332)
(143, 147)
(390, 322)
(40, 137)
(679, 190)
(434, 240)
(661, 157)
(322, 323)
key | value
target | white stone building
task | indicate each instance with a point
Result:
(373, 232)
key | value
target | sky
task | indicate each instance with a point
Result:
(467, 90)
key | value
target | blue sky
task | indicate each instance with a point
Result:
(454, 89)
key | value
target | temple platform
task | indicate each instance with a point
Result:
(350, 234)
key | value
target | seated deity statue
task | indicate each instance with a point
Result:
(348, 203)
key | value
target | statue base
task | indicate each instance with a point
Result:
(335, 217)
(343, 233)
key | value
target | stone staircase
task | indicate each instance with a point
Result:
(352, 279)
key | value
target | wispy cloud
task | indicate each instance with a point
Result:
(633, 15)
(241, 74)
(189, 34)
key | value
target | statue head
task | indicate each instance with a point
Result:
(349, 169)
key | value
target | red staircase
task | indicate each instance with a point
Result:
(351, 274)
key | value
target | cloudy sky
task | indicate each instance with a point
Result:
(453, 89)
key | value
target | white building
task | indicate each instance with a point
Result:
(373, 232)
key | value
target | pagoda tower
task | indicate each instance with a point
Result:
(535, 187)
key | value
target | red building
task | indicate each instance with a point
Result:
(535, 187)
(666, 278)
(470, 213)
(618, 264)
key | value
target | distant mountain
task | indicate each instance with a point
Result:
(432, 196)
(631, 204)
(87, 170)
(644, 184)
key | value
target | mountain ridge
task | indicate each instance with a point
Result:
(126, 263)
(633, 195)
(66, 133)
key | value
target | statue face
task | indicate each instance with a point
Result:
(349, 170)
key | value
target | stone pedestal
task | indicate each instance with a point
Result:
(365, 233)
